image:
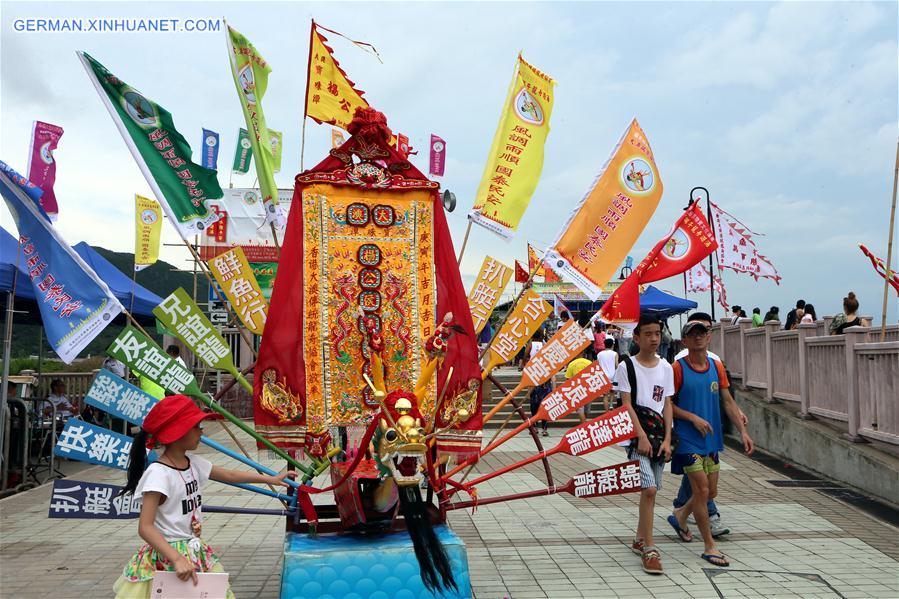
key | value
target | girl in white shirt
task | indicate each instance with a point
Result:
(171, 513)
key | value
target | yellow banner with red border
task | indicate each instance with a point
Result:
(530, 312)
(234, 275)
(487, 290)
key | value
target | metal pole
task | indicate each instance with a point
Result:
(7, 345)
(708, 212)
(886, 274)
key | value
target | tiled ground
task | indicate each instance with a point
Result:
(786, 542)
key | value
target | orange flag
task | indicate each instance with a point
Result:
(604, 225)
(534, 262)
(330, 96)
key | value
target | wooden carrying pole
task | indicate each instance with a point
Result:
(886, 274)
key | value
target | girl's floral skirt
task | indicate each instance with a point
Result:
(137, 578)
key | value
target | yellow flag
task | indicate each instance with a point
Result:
(277, 140)
(534, 262)
(233, 273)
(606, 223)
(330, 96)
(148, 220)
(530, 312)
(516, 156)
(487, 290)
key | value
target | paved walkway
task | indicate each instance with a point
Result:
(785, 542)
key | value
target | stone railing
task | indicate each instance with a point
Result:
(852, 378)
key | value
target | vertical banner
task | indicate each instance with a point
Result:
(486, 291)
(563, 347)
(74, 303)
(330, 96)
(402, 144)
(243, 153)
(535, 263)
(148, 227)
(250, 71)
(516, 155)
(530, 312)
(277, 141)
(210, 149)
(179, 313)
(233, 273)
(42, 165)
(337, 138)
(606, 223)
(437, 163)
(142, 355)
(163, 155)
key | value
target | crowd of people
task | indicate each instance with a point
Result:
(804, 313)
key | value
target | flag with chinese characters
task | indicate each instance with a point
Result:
(243, 153)
(179, 313)
(210, 149)
(487, 290)
(606, 223)
(234, 275)
(251, 71)
(74, 303)
(42, 166)
(892, 277)
(437, 161)
(736, 247)
(144, 356)
(148, 227)
(535, 263)
(689, 241)
(563, 347)
(521, 275)
(530, 312)
(402, 144)
(181, 187)
(330, 96)
(699, 280)
(515, 160)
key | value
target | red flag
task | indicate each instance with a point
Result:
(690, 241)
(521, 275)
(402, 144)
(550, 275)
(880, 267)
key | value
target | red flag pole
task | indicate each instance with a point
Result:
(886, 278)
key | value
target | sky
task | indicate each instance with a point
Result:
(786, 112)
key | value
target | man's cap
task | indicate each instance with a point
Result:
(692, 326)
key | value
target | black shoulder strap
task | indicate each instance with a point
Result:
(631, 377)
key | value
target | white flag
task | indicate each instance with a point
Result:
(736, 248)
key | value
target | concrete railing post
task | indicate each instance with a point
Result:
(770, 327)
(854, 335)
(805, 330)
(745, 325)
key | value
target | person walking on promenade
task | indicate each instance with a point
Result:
(808, 314)
(848, 317)
(574, 367)
(538, 393)
(599, 338)
(608, 361)
(772, 314)
(701, 387)
(648, 403)
(735, 314)
(757, 318)
(171, 488)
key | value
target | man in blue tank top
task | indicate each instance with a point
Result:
(701, 388)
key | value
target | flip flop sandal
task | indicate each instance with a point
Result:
(716, 559)
(683, 534)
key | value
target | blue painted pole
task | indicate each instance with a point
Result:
(290, 499)
(245, 460)
(218, 509)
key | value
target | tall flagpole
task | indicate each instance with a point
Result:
(711, 256)
(886, 275)
(306, 98)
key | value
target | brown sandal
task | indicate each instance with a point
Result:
(652, 561)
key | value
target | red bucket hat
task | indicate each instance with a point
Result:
(172, 418)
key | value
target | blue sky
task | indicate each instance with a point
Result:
(787, 113)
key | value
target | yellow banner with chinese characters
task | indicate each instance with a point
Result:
(534, 262)
(148, 221)
(330, 96)
(516, 155)
(486, 291)
(234, 275)
(606, 223)
(530, 312)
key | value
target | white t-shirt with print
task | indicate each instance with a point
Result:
(653, 384)
(183, 495)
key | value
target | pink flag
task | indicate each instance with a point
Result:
(736, 247)
(42, 166)
(438, 156)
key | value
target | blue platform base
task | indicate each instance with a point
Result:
(357, 566)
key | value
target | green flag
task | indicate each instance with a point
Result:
(277, 140)
(163, 155)
(141, 354)
(243, 153)
(250, 71)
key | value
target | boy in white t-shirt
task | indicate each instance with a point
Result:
(654, 379)
(608, 361)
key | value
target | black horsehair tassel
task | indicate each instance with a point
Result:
(431, 554)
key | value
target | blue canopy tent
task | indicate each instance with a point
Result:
(120, 285)
(663, 305)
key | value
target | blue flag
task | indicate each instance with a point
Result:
(94, 444)
(75, 305)
(210, 149)
(80, 499)
(119, 398)
(31, 190)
